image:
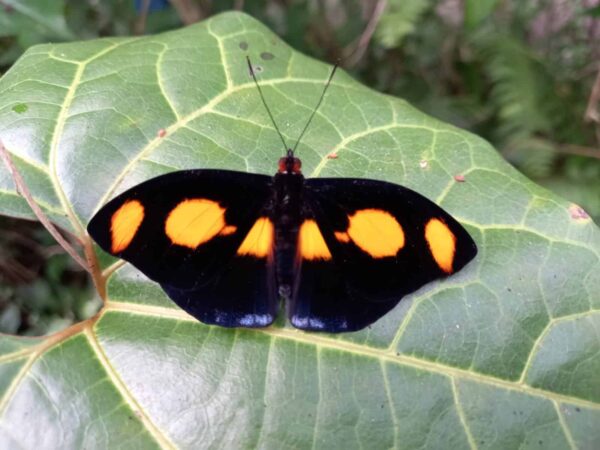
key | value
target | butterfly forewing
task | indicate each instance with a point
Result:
(203, 236)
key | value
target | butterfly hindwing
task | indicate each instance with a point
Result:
(243, 291)
(205, 236)
(373, 243)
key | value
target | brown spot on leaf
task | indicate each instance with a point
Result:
(578, 213)
(244, 45)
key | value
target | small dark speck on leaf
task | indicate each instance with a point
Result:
(267, 56)
(509, 289)
(459, 178)
(244, 45)
(20, 108)
(8, 8)
(540, 442)
(578, 409)
(256, 69)
(578, 213)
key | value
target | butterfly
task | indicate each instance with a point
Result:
(228, 247)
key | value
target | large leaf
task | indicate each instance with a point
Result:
(504, 354)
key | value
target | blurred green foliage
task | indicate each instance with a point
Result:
(42, 289)
(517, 72)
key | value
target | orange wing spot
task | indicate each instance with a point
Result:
(124, 224)
(229, 229)
(312, 244)
(342, 237)
(442, 243)
(194, 222)
(376, 232)
(259, 240)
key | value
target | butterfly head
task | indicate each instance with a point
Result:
(290, 164)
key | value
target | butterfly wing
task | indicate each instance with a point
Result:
(373, 243)
(205, 236)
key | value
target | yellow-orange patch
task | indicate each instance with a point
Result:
(195, 221)
(229, 229)
(124, 223)
(442, 243)
(342, 237)
(376, 232)
(312, 244)
(259, 240)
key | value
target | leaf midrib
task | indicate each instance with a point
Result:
(322, 341)
(388, 354)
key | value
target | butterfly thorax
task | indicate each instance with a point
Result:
(287, 218)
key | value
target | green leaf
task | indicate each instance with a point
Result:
(24, 23)
(594, 11)
(521, 88)
(34, 21)
(399, 20)
(476, 11)
(505, 354)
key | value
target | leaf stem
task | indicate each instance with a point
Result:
(24, 191)
(591, 112)
(94, 268)
(90, 264)
(363, 42)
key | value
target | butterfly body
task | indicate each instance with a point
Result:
(287, 213)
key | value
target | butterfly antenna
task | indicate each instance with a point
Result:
(318, 104)
(265, 103)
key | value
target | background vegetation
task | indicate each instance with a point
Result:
(524, 74)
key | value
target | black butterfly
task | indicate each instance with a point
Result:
(228, 246)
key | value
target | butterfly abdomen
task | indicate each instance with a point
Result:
(287, 217)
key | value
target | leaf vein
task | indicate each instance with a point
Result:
(154, 431)
(461, 415)
(350, 347)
